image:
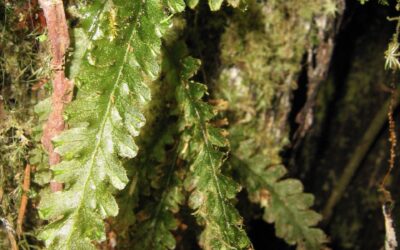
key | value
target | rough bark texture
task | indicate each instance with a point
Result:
(318, 60)
(333, 155)
(62, 87)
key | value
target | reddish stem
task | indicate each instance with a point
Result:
(24, 199)
(62, 87)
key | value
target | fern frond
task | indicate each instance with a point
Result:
(285, 204)
(104, 118)
(211, 190)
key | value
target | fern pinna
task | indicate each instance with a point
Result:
(119, 57)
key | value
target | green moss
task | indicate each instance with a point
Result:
(23, 64)
(261, 51)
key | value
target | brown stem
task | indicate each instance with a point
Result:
(24, 199)
(358, 155)
(62, 87)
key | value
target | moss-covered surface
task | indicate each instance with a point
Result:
(261, 54)
(23, 68)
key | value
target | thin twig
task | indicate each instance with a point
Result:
(393, 144)
(24, 199)
(388, 203)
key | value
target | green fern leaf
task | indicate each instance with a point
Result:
(285, 204)
(211, 190)
(121, 55)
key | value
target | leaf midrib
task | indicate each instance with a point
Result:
(290, 211)
(208, 148)
(99, 134)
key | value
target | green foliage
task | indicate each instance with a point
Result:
(124, 38)
(184, 152)
(154, 232)
(284, 203)
(211, 190)
(161, 184)
(23, 63)
(216, 4)
(162, 191)
(392, 53)
(157, 218)
(175, 6)
(391, 56)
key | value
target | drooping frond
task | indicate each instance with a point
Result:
(212, 192)
(121, 42)
(284, 203)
